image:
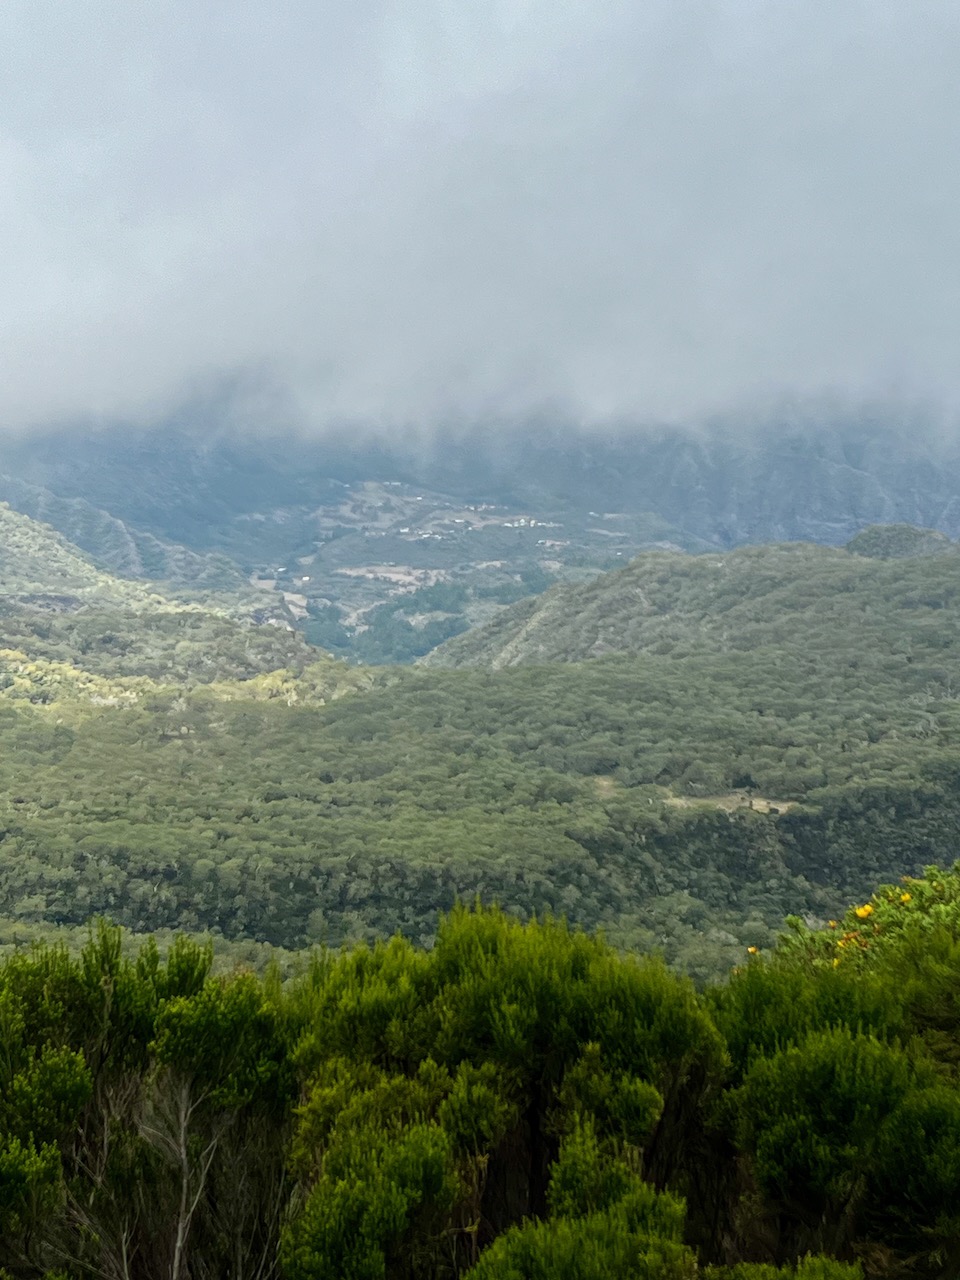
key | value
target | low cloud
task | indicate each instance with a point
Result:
(397, 213)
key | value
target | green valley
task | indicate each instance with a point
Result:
(766, 732)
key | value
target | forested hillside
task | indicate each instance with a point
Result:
(519, 1102)
(892, 586)
(64, 618)
(121, 548)
(779, 732)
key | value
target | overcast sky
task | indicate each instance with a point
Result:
(423, 210)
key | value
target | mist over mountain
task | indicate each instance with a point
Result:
(381, 548)
(817, 479)
(374, 213)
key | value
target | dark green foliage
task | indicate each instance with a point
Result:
(508, 1036)
(766, 1008)
(809, 1268)
(143, 1112)
(225, 1035)
(896, 541)
(812, 1117)
(848, 1109)
(517, 1101)
(613, 1245)
(379, 1207)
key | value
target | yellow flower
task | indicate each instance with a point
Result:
(862, 912)
(831, 924)
(905, 897)
(836, 961)
(751, 951)
(842, 942)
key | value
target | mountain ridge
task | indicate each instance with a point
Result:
(117, 547)
(387, 547)
(661, 601)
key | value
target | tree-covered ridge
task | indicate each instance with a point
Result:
(70, 691)
(166, 647)
(69, 629)
(35, 560)
(896, 541)
(118, 547)
(746, 599)
(42, 568)
(517, 1101)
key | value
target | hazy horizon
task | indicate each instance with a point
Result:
(411, 216)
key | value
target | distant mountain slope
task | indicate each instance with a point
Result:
(384, 547)
(116, 546)
(821, 477)
(36, 560)
(752, 597)
(67, 625)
